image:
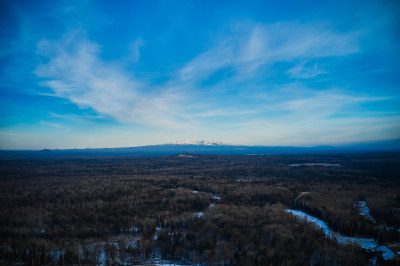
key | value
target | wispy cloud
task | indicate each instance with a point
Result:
(312, 117)
(303, 71)
(76, 72)
(302, 131)
(134, 49)
(222, 112)
(322, 103)
(75, 116)
(50, 124)
(326, 74)
(252, 46)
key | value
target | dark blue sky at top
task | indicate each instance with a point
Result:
(110, 74)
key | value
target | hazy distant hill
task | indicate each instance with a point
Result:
(201, 147)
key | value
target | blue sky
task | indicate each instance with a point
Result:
(77, 74)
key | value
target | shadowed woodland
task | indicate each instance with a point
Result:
(198, 209)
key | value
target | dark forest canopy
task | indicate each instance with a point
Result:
(196, 208)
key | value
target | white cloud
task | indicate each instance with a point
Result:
(222, 113)
(208, 62)
(50, 124)
(76, 72)
(312, 117)
(304, 131)
(290, 114)
(134, 49)
(327, 102)
(252, 46)
(303, 71)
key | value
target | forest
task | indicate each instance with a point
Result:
(198, 209)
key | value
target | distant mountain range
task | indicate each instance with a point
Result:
(199, 143)
(200, 147)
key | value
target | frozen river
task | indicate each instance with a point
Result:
(369, 244)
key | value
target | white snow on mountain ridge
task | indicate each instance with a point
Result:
(199, 142)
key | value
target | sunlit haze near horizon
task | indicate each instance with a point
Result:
(77, 74)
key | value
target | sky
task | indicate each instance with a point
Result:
(90, 74)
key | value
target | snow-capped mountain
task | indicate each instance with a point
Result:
(198, 147)
(199, 143)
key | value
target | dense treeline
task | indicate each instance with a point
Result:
(204, 209)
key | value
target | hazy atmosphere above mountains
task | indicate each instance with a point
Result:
(77, 74)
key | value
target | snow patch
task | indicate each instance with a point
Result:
(198, 214)
(215, 197)
(363, 210)
(316, 164)
(199, 142)
(387, 253)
